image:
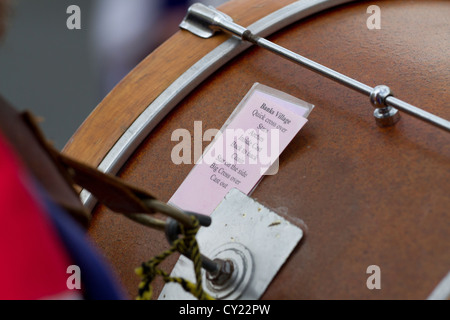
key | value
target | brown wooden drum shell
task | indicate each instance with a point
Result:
(364, 195)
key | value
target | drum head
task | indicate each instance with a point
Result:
(364, 195)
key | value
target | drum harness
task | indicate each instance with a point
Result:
(138, 205)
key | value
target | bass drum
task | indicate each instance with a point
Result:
(364, 195)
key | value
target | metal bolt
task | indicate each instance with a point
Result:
(223, 273)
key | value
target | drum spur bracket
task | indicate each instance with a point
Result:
(204, 21)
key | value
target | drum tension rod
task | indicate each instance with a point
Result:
(205, 21)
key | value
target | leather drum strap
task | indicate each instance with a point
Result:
(60, 175)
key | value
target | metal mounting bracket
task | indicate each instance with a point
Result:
(256, 240)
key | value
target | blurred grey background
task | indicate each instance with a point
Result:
(53, 71)
(47, 68)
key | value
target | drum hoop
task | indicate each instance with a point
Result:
(194, 76)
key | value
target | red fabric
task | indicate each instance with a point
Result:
(33, 262)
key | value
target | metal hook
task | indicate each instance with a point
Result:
(173, 230)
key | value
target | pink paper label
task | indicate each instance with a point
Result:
(248, 145)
